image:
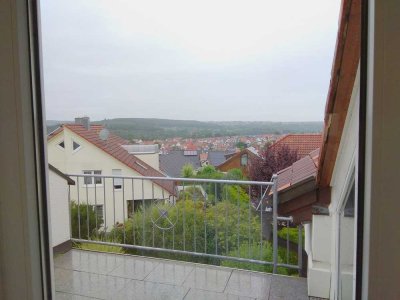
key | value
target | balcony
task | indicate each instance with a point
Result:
(86, 274)
(206, 238)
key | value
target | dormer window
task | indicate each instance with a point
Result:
(75, 146)
(243, 160)
(61, 144)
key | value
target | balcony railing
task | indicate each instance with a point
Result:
(224, 220)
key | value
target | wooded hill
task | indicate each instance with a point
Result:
(149, 129)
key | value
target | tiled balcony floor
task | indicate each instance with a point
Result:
(86, 275)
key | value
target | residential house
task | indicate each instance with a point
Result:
(302, 143)
(59, 185)
(240, 160)
(84, 148)
(171, 162)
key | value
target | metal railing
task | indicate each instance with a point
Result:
(215, 219)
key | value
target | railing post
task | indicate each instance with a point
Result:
(300, 248)
(275, 222)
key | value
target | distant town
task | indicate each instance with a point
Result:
(223, 143)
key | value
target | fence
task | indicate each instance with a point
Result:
(219, 219)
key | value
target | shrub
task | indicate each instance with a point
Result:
(84, 220)
(196, 226)
(266, 254)
(293, 234)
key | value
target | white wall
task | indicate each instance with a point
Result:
(319, 258)
(153, 159)
(324, 259)
(59, 209)
(344, 173)
(89, 157)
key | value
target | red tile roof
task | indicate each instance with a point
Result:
(300, 170)
(303, 143)
(113, 147)
(190, 146)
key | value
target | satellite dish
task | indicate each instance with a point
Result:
(104, 133)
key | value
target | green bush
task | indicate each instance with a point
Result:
(293, 234)
(254, 251)
(85, 216)
(196, 226)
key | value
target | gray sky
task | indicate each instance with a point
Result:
(205, 60)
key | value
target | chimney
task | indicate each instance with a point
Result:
(84, 121)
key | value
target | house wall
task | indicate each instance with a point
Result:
(324, 257)
(89, 157)
(234, 163)
(59, 208)
(152, 159)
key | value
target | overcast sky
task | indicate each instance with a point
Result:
(205, 60)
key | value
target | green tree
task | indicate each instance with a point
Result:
(235, 174)
(241, 145)
(187, 171)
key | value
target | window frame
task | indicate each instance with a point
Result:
(77, 149)
(113, 172)
(241, 160)
(92, 178)
(96, 207)
(59, 146)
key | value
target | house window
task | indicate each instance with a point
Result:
(75, 146)
(61, 144)
(92, 180)
(117, 181)
(243, 160)
(98, 209)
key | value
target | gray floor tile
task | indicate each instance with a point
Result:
(85, 275)
(135, 267)
(88, 284)
(170, 272)
(251, 284)
(208, 278)
(288, 288)
(195, 294)
(145, 290)
(94, 262)
(65, 296)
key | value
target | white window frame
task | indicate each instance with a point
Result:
(77, 149)
(92, 178)
(58, 145)
(247, 160)
(96, 207)
(116, 181)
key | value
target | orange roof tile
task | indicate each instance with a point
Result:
(300, 170)
(303, 143)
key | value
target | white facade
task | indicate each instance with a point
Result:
(59, 209)
(88, 157)
(330, 240)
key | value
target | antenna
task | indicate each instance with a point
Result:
(104, 133)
